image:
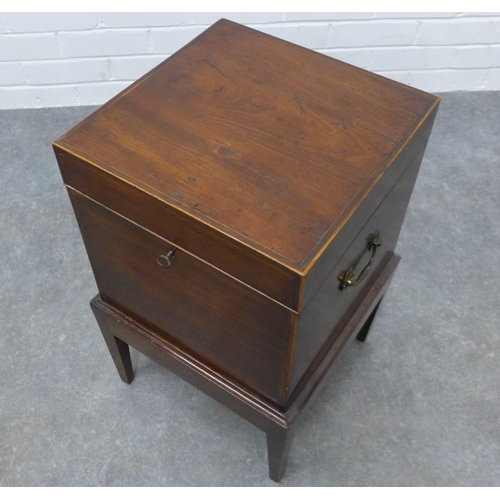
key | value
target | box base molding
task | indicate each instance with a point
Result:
(121, 331)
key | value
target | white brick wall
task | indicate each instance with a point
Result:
(68, 59)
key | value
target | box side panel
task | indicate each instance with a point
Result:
(338, 245)
(319, 319)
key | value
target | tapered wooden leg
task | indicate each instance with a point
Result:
(118, 349)
(278, 444)
(363, 333)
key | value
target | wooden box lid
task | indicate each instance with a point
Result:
(260, 139)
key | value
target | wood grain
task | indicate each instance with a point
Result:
(262, 140)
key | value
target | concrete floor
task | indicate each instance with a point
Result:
(417, 404)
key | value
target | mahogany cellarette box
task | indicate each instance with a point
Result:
(240, 205)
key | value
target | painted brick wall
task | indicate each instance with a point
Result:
(71, 59)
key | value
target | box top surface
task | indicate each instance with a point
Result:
(265, 141)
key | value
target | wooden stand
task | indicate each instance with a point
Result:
(120, 331)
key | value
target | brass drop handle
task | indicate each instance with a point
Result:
(348, 278)
(165, 260)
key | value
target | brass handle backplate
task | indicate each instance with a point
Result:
(349, 278)
(165, 260)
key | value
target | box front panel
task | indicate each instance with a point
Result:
(232, 328)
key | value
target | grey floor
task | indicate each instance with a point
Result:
(417, 404)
